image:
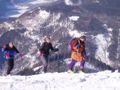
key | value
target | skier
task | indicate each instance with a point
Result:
(44, 51)
(78, 53)
(9, 51)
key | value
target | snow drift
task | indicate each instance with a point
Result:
(62, 22)
(105, 80)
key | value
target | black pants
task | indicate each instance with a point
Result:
(10, 65)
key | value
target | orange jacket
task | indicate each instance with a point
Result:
(77, 54)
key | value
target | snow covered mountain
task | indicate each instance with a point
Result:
(62, 20)
(15, 8)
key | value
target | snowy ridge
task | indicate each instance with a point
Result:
(63, 81)
(23, 7)
(16, 8)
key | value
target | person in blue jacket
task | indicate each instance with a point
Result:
(9, 51)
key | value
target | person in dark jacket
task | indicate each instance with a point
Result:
(9, 51)
(45, 50)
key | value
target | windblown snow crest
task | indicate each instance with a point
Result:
(73, 2)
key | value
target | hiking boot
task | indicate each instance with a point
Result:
(70, 71)
(82, 70)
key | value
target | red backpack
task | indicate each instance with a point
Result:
(73, 42)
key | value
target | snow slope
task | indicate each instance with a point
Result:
(105, 80)
(62, 21)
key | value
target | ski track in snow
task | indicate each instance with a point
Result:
(105, 80)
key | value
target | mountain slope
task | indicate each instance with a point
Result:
(11, 9)
(59, 81)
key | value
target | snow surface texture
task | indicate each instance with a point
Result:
(62, 22)
(74, 18)
(105, 80)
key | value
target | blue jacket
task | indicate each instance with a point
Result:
(10, 52)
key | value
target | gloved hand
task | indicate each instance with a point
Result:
(7, 56)
(39, 53)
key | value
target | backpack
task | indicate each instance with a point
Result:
(73, 42)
